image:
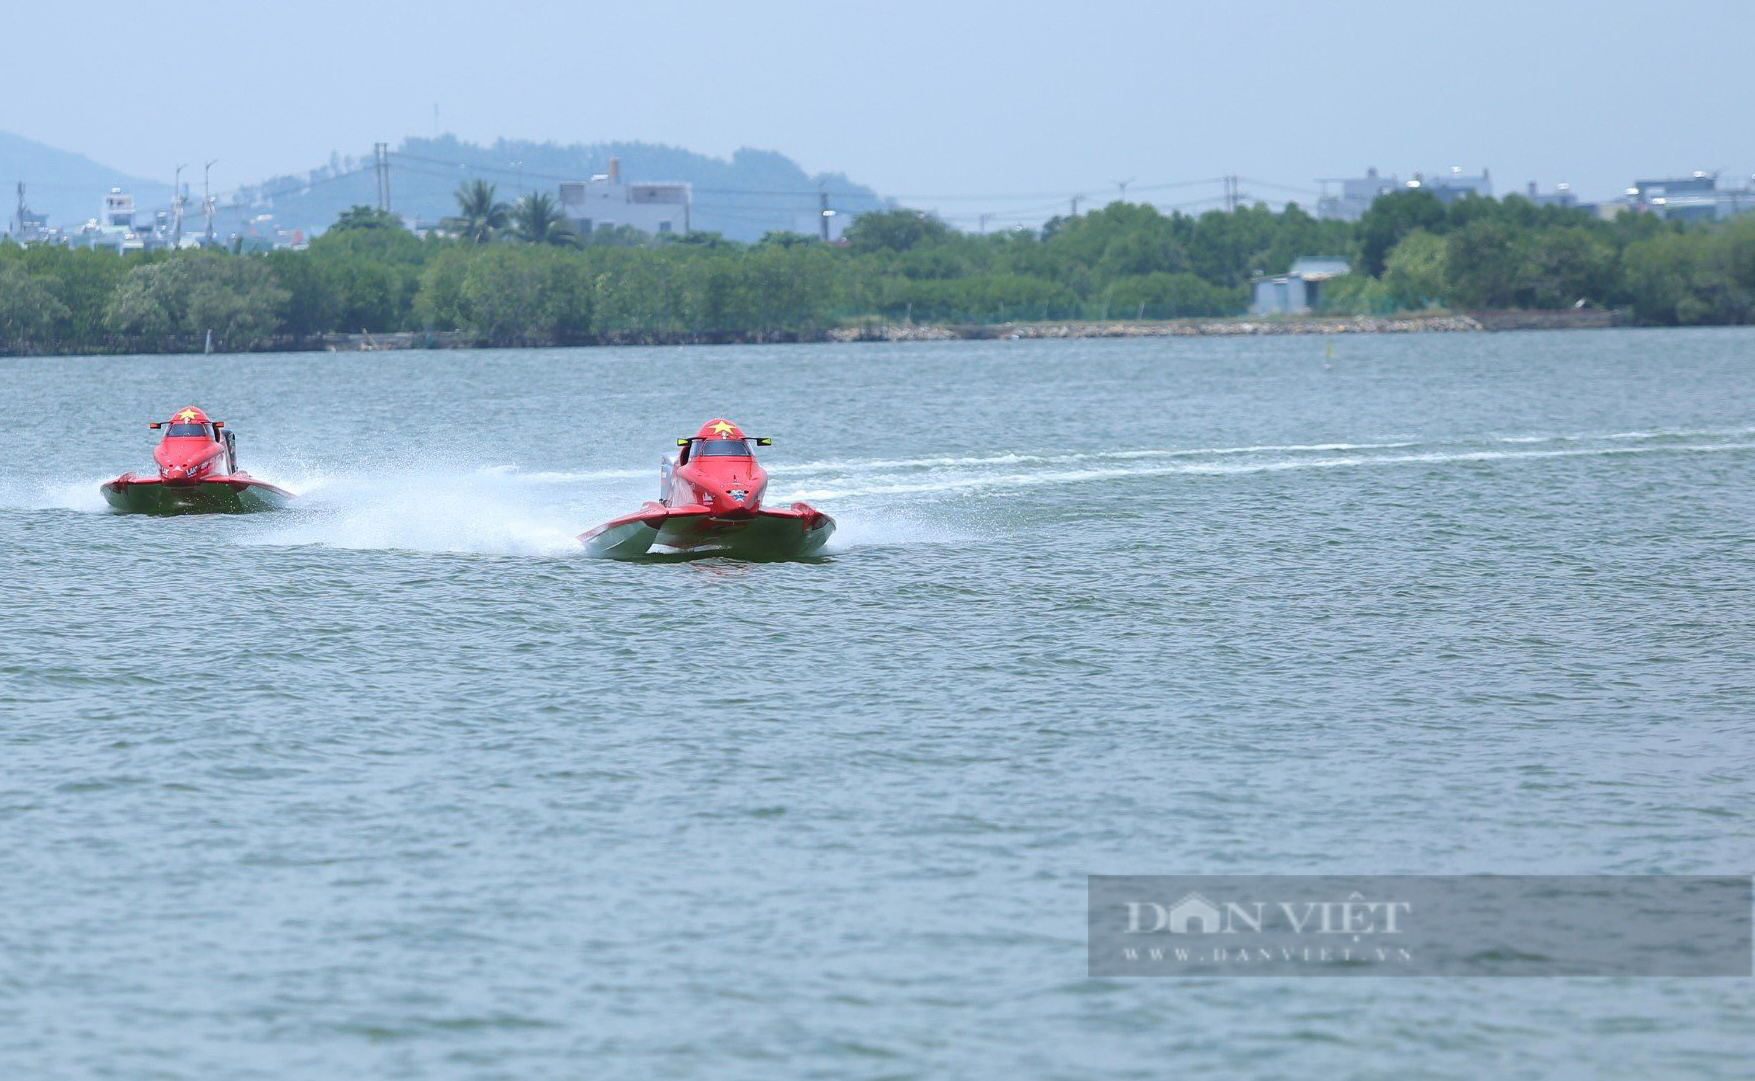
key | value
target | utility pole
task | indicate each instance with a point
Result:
(824, 213)
(381, 166)
(21, 208)
(1075, 205)
(984, 218)
(177, 207)
(1122, 186)
(1233, 193)
(207, 198)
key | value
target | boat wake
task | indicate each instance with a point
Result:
(502, 510)
(926, 477)
(491, 510)
(57, 493)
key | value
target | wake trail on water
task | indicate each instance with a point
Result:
(925, 477)
(434, 506)
(501, 510)
(57, 493)
(488, 510)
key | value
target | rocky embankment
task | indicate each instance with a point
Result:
(1411, 324)
(1176, 328)
(1435, 323)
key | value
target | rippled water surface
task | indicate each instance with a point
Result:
(397, 784)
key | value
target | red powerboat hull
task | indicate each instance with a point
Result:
(710, 503)
(234, 494)
(763, 536)
(197, 473)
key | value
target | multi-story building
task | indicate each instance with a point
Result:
(118, 210)
(1358, 193)
(114, 227)
(1356, 196)
(1562, 195)
(1689, 198)
(1454, 185)
(606, 201)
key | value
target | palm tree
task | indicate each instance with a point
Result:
(480, 216)
(539, 221)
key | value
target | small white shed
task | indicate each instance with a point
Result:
(1299, 290)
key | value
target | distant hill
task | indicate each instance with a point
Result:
(752, 193)
(755, 192)
(67, 187)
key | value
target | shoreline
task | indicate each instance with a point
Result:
(1421, 323)
(1168, 328)
(879, 331)
(876, 331)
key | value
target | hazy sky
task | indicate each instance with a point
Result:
(927, 100)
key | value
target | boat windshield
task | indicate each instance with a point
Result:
(723, 448)
(199, 430)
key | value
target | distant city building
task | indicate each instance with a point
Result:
(605, 202)
(262, 233)
(121, 226)
(113, 228)
(1299, 290)
(1733, 201)
(1357, 195)
(1454, 185)
(118, 209)
(1690, 198)
(1694, 198)
(1562, 195)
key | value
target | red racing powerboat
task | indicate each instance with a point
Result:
(197, 474)
(710, 502)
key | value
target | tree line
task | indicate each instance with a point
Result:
(520, 274)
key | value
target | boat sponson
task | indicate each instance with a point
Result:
(765, 535)
(220, 495)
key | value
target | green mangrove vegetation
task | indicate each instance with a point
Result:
(520, 274)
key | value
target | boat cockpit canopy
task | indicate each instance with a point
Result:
(724, 448)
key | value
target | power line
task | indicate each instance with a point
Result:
(1195, 202)
(749, 204)
(257, 194)
(380, 165)
(1181, 184)
(1279, 187)
(801, 193)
